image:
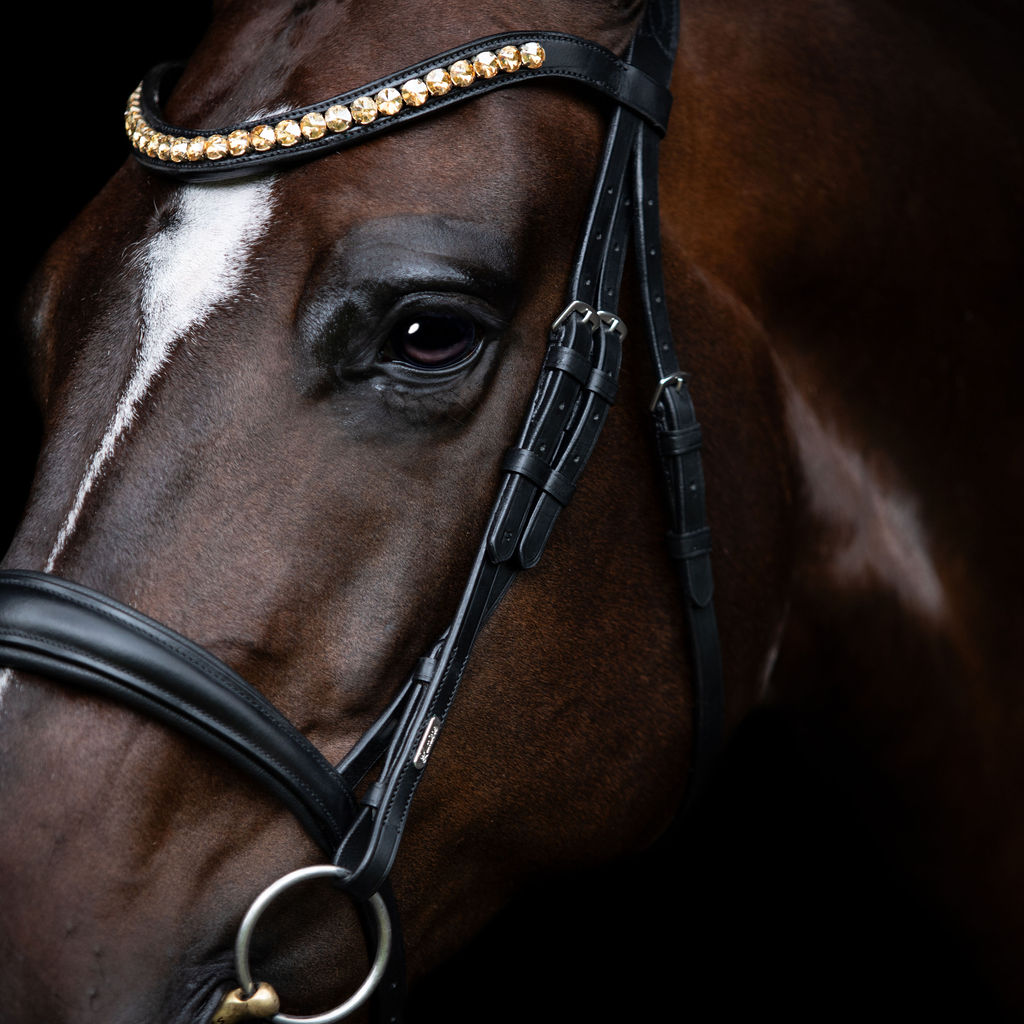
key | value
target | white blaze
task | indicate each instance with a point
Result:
(188, 268)
(197, 262)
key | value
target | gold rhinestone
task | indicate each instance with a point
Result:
(216, 147)
(389, 101)
(179, 149)
(485, 64)
(287, 132)
(415, 92)
(338, 118)
(152, 143)
(238, 142)
(509, 59)
(364, 110)
(163, 148)
(438, 81)
(313, 125)
(263, 138)
(195, 148)
(532, 54)
(462, 73)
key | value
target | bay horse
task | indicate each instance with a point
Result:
(842, 234)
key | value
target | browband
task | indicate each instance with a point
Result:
(430, 86)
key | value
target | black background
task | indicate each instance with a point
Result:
(772, 899)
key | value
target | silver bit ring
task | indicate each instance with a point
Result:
(265, 898)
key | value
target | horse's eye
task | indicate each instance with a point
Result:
(432, 340)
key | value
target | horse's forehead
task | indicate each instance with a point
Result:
(201, 253)
(275, 56)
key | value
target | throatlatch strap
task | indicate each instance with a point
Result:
(678, 432)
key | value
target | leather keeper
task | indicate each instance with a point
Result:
(538, 472)
(679, 442)
(689, 545)
(577, 366)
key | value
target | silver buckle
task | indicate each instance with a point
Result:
(588, 313)
(613, 323)
(676, 380)
(593, 318)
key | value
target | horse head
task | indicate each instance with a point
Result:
(275, 410)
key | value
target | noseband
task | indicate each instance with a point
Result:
(357, 811)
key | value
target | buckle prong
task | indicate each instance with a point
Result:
(613, 322)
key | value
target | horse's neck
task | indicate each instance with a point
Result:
(855, 195)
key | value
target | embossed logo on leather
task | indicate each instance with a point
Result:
(427, 742)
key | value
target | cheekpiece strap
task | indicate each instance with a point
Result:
(430, 86)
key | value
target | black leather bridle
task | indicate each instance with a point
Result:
(73, 634)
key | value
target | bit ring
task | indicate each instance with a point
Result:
(265, 898)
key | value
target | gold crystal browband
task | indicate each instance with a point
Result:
(429, 86)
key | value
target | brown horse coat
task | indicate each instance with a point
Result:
(842, 225)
